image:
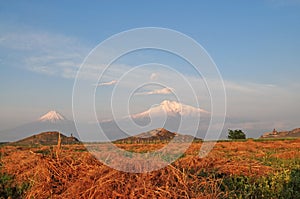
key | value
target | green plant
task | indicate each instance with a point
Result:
(43, 152)
(292, 188)
(236, 134)
(8, 188)
(282, 184)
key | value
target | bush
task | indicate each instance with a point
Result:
(284, 184)
(292, 188)
(8, 189)
(236, 134)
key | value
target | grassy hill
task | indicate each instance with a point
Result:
(46, 138)
(157, 136)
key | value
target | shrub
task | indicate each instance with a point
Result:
(8, 189)
(283, 184)
(236, 134)
(292, 188)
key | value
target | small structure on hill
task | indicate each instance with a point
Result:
(274, 132)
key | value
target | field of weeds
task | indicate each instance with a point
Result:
(236, 169)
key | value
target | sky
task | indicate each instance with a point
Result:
(255, 45)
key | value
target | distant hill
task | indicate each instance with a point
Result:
(156, 136)
(295, 133)
(47, 138)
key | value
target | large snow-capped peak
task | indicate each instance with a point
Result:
(52, 116)
(171, 108)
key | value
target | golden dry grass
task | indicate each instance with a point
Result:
(75, 173)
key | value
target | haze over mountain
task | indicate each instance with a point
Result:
(172, 115)
(51, 121)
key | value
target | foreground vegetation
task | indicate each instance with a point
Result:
(239, 169)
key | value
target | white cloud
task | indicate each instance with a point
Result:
(154, 76)
(43, 69)
(163, 91)
(41, 52)
(107, 83)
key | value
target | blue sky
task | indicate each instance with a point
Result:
(255, 44)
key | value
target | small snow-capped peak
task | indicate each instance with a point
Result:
(52, 116)
(171, 108)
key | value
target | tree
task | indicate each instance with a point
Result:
(236, 134)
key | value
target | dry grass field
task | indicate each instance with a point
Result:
(233, 169)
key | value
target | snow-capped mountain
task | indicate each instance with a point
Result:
(172, 115)
(167, 114)
(171, 108)
(52, 116)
